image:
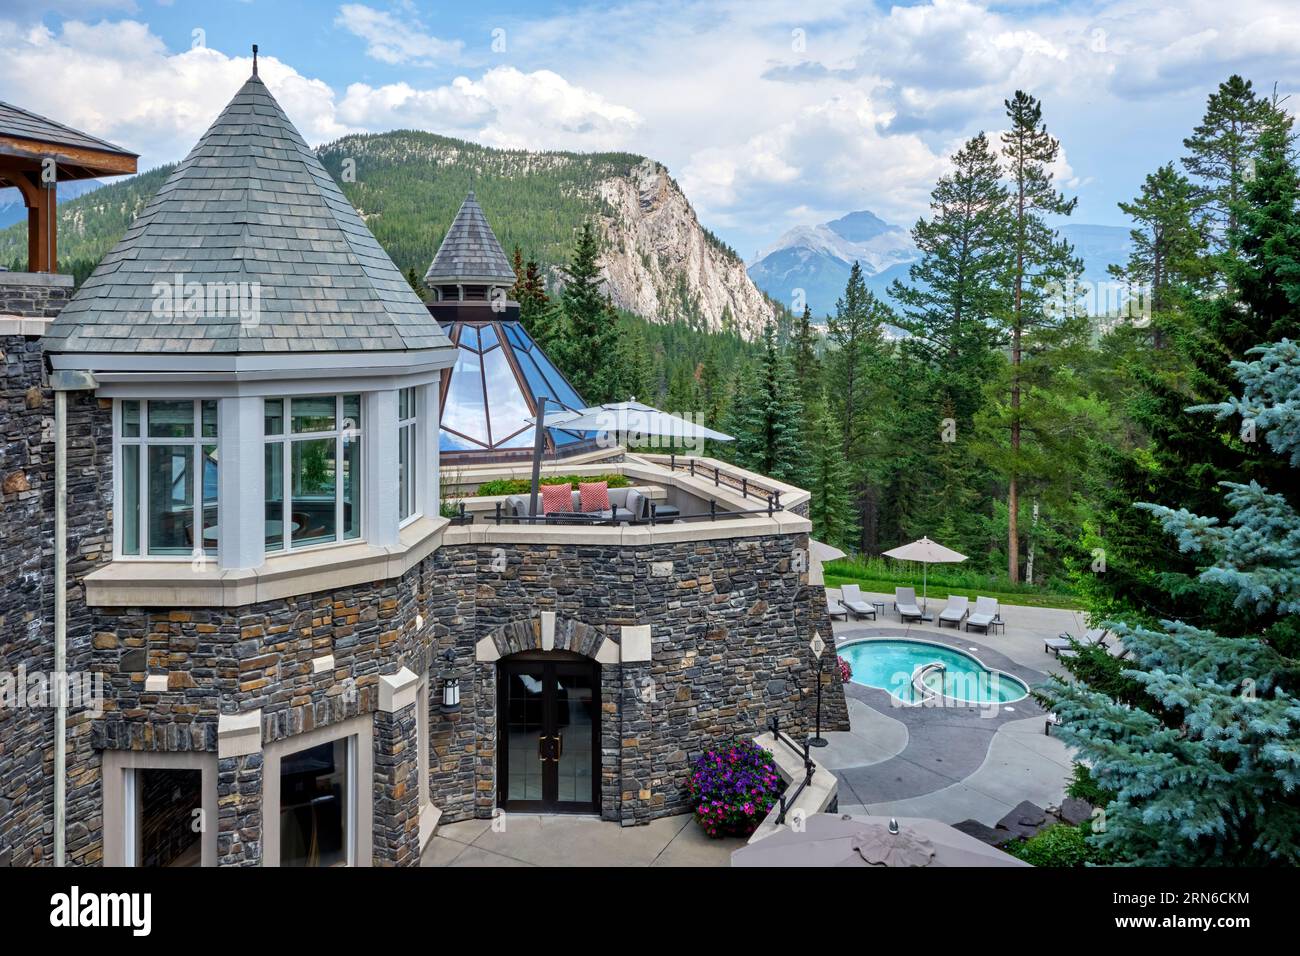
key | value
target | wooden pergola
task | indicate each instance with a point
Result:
(36, 154)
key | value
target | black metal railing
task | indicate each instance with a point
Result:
(788, 798)
(622, 515)
(700, 469)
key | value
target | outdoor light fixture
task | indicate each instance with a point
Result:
(450, 685)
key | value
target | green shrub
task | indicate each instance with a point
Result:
(1059, 845)
(1083, 787)
(521, 486)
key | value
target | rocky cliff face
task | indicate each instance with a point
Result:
(660, 263)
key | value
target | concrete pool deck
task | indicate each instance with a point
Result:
(953, 763)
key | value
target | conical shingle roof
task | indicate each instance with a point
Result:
(250, 204)
(470, 252)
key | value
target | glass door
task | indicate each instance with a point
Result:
(550, 744)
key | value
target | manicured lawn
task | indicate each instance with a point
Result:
(876, 575)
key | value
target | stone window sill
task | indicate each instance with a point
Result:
(177, 584)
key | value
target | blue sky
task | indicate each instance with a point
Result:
(770, 114)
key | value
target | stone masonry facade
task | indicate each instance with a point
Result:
(730, 622)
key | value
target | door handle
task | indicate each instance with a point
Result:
(541, 748)
(559, 746)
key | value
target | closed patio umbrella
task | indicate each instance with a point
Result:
(927, 552)
(830, 839)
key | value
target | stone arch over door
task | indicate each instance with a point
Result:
(547, 631)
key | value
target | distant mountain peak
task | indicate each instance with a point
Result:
(861, 226)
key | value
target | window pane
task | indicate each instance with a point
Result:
(314, 791)
(209, 419)
(274, 416)
(131, 419)
(314, 476)
(131, 497)
(352, 488)
(210, 488)
(171, 419)
(171, 498)
(404, 403)
(404, 472)
(275, 496)
(464, 411)
(167, 804)
(313, 414)
(351, 413)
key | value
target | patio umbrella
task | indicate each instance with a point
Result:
(613, 417)
(830, 839)
(927, 552)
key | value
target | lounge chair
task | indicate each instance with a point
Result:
(956, 611)
(835, 609)
(905, 602)
(1064, 643)
(985, 613)
(852, 602)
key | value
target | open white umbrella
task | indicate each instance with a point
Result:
(614, 417)
(927, 552)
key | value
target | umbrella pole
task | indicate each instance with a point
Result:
(539, 441)
(925, 588)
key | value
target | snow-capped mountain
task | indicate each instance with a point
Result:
(817, 259)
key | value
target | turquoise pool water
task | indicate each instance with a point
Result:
(889, 665)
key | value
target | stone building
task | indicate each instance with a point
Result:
(321, 679)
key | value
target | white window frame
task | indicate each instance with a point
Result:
(341, 434)
(199, 552)
(121, 793)
(408, 430)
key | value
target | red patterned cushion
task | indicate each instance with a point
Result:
(556, 498)
(594, 495)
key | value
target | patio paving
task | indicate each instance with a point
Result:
(566, 840)
(956, 763)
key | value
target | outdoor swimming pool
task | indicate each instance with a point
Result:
(890, 665)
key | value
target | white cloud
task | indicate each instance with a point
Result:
(505, 107)
(395, 41)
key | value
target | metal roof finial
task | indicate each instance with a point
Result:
(255, 59)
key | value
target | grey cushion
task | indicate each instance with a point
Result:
(634, 501)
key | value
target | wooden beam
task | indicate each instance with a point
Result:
(103, 162)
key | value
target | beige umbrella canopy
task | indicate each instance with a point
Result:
(833, 840)
(927, 552)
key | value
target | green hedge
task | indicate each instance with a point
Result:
(1059, 845)
(521, 486)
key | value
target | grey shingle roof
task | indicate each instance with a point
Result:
(252, 204)
(24, 124)
(470, 251)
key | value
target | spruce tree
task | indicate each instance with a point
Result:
(826, 477)
(590, 333)
(1206, 770)
(803, 357)
(766, 416)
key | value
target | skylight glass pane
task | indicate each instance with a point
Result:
(523, 440)
(506, 403)
(464, 411)
(487, 337)
(469, 337)
(563, 391)
(449, 442)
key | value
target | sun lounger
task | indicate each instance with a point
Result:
(835, 609)
(956, 611)
(985, 613)
(1064, 642)
(851, 600)
(905, 602)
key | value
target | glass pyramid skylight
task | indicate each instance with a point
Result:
(489, 395)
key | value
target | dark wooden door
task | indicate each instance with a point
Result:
(549, 728)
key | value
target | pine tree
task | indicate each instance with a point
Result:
(417, 284)
(1168, 244)
(590, 334)
(1206, 771)
(1222, 149)
(766, 416)
(1042, 272)
(826, 477)
(807, 367)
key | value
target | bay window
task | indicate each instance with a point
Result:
(167, 460)
(313, 470)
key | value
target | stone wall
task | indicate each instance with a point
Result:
(26, 599)
(34, 295)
